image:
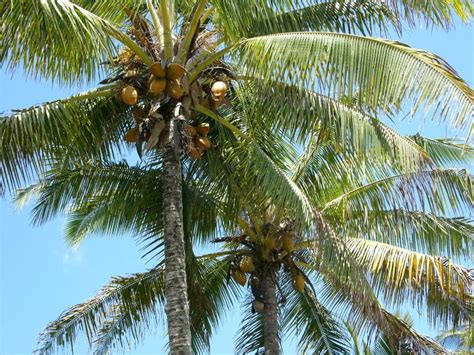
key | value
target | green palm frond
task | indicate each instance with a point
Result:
(415, 230)
(348, 128)
(381, 73)
(440, 191)
(397, 272)
(138, 296)
(361, 17)
(250, 338)
(77, 40)
(244, 18)
(314, 326)
(365, 313)
(446, 152)
(88, 125)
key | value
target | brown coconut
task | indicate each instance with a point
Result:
(298, 283)
(240, 277)
(190, 131)
(175, 71)
(246, 264)
(288, 243)
(203, 129)
(132, 135)
(203, 143)
(157, 86)
(129, 95)
(270, 242)
(258, 306)
(158, 70)
(175, 89)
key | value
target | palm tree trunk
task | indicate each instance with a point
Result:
(270, 315)
(177, 306)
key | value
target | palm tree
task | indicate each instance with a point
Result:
(380, 244)
(194, 50)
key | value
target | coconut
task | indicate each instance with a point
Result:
(129, 95)
(218, 91)
(246, 264)
(132, 135)
(258, 306)
(288, 243)
(298, 283)
(190, 131)
(194, 153)
(174, 89)
(157, 86)
(270, 242)
(138, 114)
(175, 71)
(240, 277)
(158, 70)
(203, 129)
(203, 143)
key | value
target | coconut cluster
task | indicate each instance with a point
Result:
(170, 82)
(275, 250)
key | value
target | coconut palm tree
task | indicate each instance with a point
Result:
(180, 58)
(377, 237)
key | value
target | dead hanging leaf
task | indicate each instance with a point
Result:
(155, 134)
(132, 135)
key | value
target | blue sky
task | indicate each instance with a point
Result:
(40, 276)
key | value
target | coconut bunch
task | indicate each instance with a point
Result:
(273, 250)
(168, 84)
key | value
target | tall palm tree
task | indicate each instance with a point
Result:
(173, 54)
(385, 247)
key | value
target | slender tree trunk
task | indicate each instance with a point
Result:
(270, 315)
(177, 306)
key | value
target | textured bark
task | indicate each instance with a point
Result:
(177, 306)
(270, 315)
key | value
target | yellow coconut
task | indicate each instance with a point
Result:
(287, 243)
(258, 306)
(132, 135)
(129, 95)
(175, 89)
(203, 143)
(246, 264)
(203, 129)
(298, 283)
(190, 130)
(218, 90)
(240, 277)
(157, 70)
(175, 71)
(270, 242)
(157, 86)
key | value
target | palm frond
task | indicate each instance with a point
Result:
(138, 296)
(380, 73)
(250, 338)
(89, 124)
(306, 113)
(285, 16)
(314, 326)
(53, 39)
(396, 273)
(440, 191)
(446, 152)
(415, 230)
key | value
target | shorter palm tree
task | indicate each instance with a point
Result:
(369, 238)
